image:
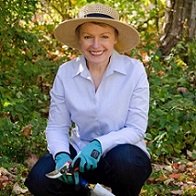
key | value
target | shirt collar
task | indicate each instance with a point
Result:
(115, 65)
(80, 67)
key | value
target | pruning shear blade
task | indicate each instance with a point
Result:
(59, 172)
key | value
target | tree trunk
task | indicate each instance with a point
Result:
(180, 22)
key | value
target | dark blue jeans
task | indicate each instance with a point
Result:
(125, 169)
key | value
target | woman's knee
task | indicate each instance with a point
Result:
(37, 180)
(127, 162)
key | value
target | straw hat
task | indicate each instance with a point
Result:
(127, 39)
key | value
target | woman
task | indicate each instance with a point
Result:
(106, 95)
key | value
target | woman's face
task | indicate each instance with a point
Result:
(97, 42)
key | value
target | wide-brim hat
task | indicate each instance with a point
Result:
(128, 37)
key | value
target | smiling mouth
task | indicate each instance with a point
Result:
(96, 53)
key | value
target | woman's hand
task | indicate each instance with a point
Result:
(88, 157)
(61, 159)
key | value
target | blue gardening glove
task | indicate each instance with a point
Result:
(60, 160)
(88, 157)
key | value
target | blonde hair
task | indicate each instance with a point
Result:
(77, 31)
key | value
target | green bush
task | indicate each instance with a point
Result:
(29, 58)
(25, 78)
(172, 119)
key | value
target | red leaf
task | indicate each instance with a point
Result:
(175, 175)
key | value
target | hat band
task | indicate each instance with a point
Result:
(97, 15)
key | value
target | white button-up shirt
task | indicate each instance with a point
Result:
(117, 113)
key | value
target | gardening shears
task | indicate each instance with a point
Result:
(67, 169)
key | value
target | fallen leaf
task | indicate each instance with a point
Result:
(161, 73)
(152, 180)
(27, 131)
(177, 192)
(175, 175)
(18, 190)
(169, 168)
(182, 167)
(168, 181)
(5, 172)
(31, 160)
(6, 178)
(181, 90)
(162, 177)
(143, 191)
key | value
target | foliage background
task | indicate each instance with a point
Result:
(30, 56)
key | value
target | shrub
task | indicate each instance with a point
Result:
(172, 119)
